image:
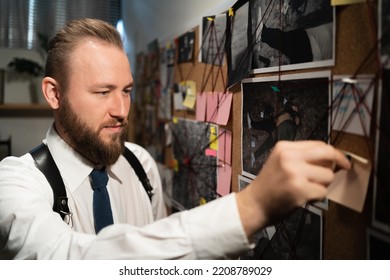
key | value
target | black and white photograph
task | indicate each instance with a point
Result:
(186, 47)
(384, 30)
(299, 237)
(165, 104)
(213, 39)
(378, 245)
(263, 246)
(167, 65)
(238, 51)
(262, 238)
(291, 107)
(381, 217)
(381, 211)
(195, 177)
(243, 182)
(293, 34)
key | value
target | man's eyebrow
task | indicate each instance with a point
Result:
(111, 86)
(131, 84)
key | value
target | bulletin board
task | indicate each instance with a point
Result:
(345, 232)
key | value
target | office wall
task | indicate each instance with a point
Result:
(146, 20)
(344, 230)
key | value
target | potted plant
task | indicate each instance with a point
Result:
(31, 70)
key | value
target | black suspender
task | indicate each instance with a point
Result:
(45, 163)
(134, 162)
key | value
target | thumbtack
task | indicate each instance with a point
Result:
(349, 81)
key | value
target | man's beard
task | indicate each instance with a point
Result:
(87, 142)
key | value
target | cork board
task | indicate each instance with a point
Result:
(344, 230)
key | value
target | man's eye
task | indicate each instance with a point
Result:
(127, 91)
(105, 92)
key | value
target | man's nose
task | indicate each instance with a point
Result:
(120, 105)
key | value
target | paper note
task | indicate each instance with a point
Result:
(225, 147)
(165, 104)
(345, 2)
(224, 179)
(231, 12)
(352, 105)
(168, 134)
(201, 99)
(213, 138)
(211, 153)
(212, 107)
(190, 90)
(349, 187)
(178, 101)
(190, 99)
(175, 165)
(224, 106)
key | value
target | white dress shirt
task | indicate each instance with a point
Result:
(29, 229)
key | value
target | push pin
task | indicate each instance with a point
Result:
(351, 156)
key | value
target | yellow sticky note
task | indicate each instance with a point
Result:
(175, 165)
(345, 2)
(175, 120)
(190, 99)
(213, 138)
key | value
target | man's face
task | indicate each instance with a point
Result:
(92, 116)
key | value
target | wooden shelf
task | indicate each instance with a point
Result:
(23, 110)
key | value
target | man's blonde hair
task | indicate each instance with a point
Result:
(64, 42)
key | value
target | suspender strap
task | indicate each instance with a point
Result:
(44, 161)
(46, 164)
(134, 162)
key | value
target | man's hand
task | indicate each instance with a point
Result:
(294, 174)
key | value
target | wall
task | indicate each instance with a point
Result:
(146, 20)
(344, 230)
(25, 129)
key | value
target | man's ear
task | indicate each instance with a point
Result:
(51, 92)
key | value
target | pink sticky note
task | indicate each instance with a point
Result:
(211, 153)
(212, 107)
(224, 179)
(224, 106)
(201, 99)
(225, 147)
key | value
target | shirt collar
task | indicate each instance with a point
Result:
(73, 167)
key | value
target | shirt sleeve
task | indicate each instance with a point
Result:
(29, 229)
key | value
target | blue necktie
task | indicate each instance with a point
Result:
(101, 201)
